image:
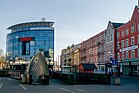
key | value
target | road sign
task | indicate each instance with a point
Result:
(114, 62)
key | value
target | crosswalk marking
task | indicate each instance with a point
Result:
(64, 89)
(81, 90)
(10, 79)
(22, 86)
(67, 90)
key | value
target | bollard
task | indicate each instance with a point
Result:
(117, 81)
(30, 79)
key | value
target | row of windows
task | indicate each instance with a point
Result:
(19, 53)
(42, 41)
(126, 54)
(37, 37)
(36, 34)
(32, 43)
(109, 38)
(109, 35)
(93, 41)
(126, 31)
(30, 25)
(126, 42)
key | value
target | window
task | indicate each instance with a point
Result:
(132, 41)
(107, 38)
(32, 42)
(122, 55)
(123, 33)
(111, 47)
(126, 42)
(127, 31)
(133, 53)
(118, 46)
(126, 54)
(111, 37)
(138, 27)
(132, 29)
(122, 43)
(138, 52)
(138, 39)
(25, 48)
(118, 56)
(118, 34)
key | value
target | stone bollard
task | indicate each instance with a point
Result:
(117, 81)
(23, 79)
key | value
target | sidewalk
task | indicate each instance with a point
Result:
(132, 81)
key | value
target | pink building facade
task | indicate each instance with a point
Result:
(93, 51)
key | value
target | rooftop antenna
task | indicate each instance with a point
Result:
(43, 19)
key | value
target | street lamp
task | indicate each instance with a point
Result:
(118, 64)
(49, 60)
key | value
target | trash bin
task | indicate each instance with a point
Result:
(117, 81)
(23, 79)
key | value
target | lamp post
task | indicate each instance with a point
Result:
(118, 64)
(49, 60)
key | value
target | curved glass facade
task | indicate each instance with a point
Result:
(26, 39)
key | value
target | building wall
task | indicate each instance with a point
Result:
(109, 37)
(93, 50)
(128, 53)
(63, 57)
(120, 44)
(76, 55)
(99, 51)
(70, 57)
(83, 52)
(26, 39)
(86, 55)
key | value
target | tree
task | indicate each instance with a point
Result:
(1, 52)
(2, 62)
(2, 59)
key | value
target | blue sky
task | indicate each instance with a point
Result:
(75, 20)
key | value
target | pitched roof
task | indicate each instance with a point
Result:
(116, 25)
(88, 66)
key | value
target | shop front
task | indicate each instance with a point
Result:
(126, 69)
(135, 67)
(130, 67)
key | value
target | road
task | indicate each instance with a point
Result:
(10, 85)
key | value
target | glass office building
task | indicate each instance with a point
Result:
(26, 39)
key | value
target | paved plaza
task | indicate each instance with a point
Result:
(10, 85)
(128, 85)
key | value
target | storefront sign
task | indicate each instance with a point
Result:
(26, 39)
(126, 63)
(129, 48)
(134, 63)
